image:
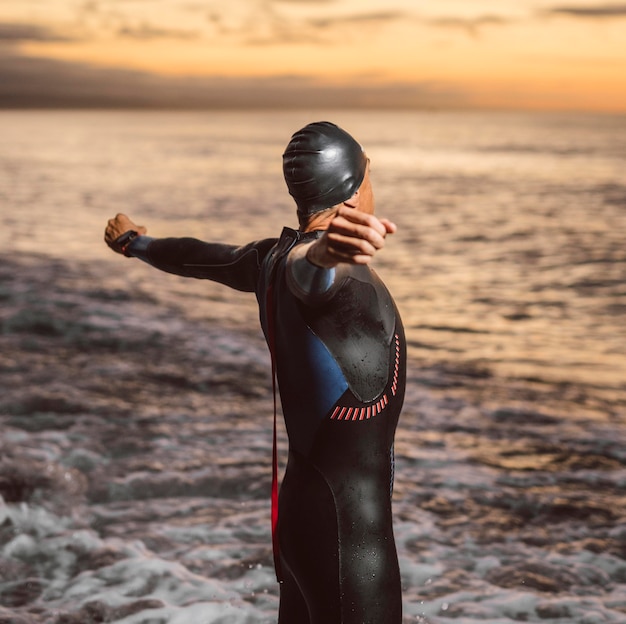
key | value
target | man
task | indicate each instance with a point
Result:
(339, 354)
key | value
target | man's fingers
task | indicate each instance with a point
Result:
(351, 244)
(356, 216)
(116, 227)
(353, 237)
(391, 227)
(120, 224)
(347, 217)
(356, 231)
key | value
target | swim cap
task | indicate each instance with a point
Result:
(323, 166)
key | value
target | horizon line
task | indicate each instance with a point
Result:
(145, 107)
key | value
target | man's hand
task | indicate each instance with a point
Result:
(117, 226)
(352, 236)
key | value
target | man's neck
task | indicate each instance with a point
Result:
(320, 221)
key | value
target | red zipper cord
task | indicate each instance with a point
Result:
(274, 498)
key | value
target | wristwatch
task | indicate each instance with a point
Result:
(125, 240)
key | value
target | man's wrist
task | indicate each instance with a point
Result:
(123, 242)
(314, 257)
(138, 247)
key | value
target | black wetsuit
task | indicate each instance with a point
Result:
(340, 358)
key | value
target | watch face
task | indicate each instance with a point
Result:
(123, 241)
(126, 237)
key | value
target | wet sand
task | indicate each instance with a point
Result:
(135, 472)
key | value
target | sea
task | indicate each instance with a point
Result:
(136, 406)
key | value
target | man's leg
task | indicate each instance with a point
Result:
(293, 608)
(307, 528)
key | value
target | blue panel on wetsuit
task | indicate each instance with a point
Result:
(311, 381)
(325, 373)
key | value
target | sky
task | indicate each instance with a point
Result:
(443, 54)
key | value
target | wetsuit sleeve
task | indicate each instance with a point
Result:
(310, 283)
(231, 265)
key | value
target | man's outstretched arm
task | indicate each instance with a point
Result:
(231, 265)
(351, 236)
(316, 270)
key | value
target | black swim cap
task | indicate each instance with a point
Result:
(323, 166)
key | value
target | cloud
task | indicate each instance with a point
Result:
(97, 17)
(592, 11)
(313, 29)
(18, 33)
(470, 25)
(147, 32)
(303, 1)
(356, 19)
(40, 82)
(322, 30)
(32, 82)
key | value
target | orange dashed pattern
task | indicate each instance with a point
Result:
(365, 413)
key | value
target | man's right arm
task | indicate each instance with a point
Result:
(309, 282)
(317, 270)
(351, 236)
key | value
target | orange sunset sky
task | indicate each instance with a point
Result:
(510, 54)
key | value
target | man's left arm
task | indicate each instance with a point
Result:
(234, 266)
